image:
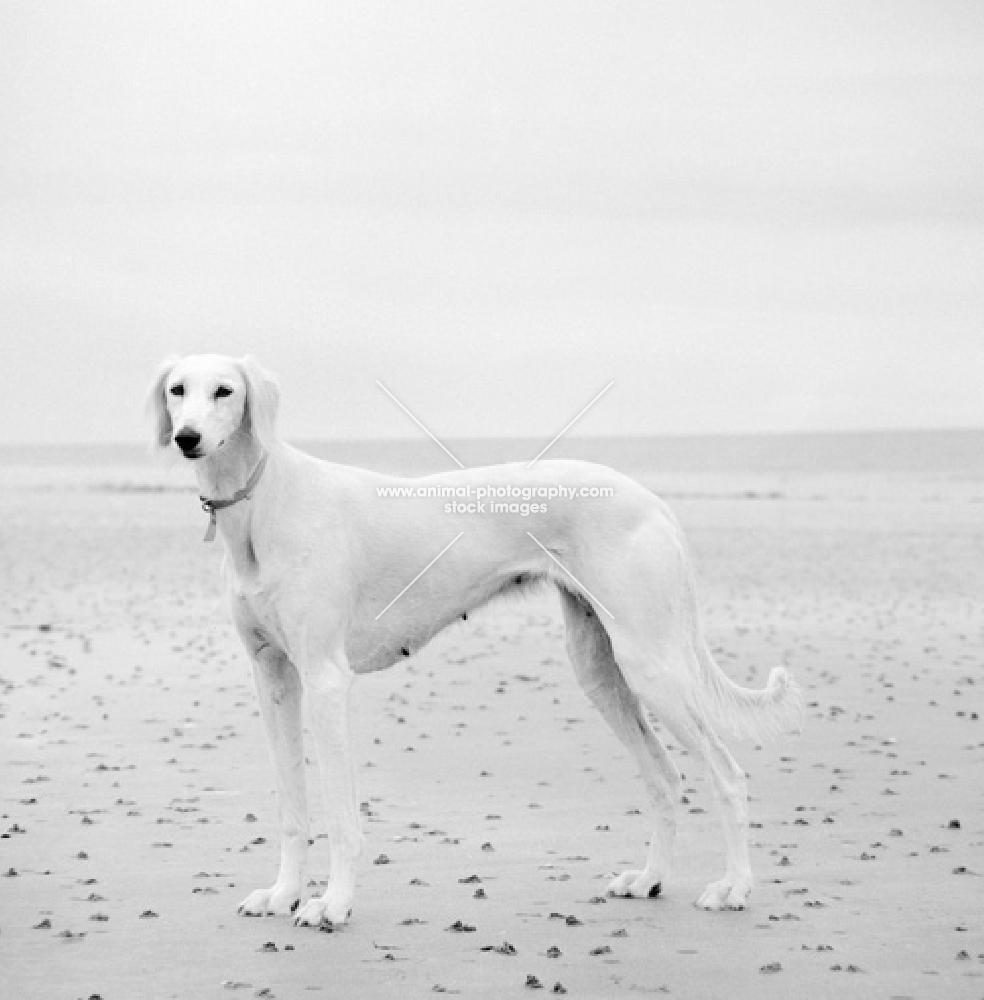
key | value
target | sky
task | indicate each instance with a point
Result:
(751, 217)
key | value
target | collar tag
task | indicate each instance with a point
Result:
(210, 510)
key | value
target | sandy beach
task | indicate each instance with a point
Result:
(137, 807)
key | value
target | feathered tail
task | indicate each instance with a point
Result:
(759, 714)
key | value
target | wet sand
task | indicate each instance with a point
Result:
(137, 808)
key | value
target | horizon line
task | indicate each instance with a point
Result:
(664, 436)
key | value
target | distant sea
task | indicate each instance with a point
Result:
(945, 454)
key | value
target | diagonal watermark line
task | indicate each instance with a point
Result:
(421, 426)
(571, 575)
(419, 575)
(574, 421)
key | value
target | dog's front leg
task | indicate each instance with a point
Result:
(328, 685)
(278, 688)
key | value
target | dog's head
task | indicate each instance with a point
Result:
(202, 402)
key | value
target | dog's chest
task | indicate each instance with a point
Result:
(375, 644)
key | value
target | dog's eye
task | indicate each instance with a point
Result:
(223, 391)
(177, 390)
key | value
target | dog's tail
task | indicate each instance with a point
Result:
(759, 714)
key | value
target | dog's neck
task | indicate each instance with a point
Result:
(223, 472)
(220, 475)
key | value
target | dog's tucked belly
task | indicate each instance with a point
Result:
(375, 644)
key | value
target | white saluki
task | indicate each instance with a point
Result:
(316, 558)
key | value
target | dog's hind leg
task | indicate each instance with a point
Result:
(731, 789)
(676, 707)
(278, 688)
(590, 652)
(655, 635)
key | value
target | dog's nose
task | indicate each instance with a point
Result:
(187, 440)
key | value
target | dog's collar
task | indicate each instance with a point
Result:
(211, 506)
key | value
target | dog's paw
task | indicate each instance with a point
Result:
(275, 901)
(727, 894)
(638, 885)
(328, 911)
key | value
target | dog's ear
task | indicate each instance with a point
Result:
(156, 405)
(262, 402)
